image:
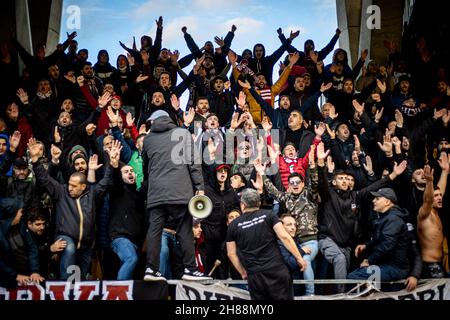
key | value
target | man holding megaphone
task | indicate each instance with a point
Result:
(171, 175)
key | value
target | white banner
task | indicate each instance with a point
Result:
(428, 290)
(188, 290)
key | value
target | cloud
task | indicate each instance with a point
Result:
(172, 30)
(245, 25)
(287, 30)
(209, 6)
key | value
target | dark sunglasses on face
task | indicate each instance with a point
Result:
(295, 182)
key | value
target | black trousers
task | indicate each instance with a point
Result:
(273, 284)
(183, 220)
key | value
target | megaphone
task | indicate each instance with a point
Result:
(200, 207)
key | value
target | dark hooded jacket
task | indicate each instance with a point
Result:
(215, 225)
(390, 241)
(170, 181)
(104, 71)
(266, 63)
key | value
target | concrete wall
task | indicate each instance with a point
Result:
(352, 20)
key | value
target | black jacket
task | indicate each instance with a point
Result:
(215, 225)
(126, 211)
(74, 217)
(340, 213)
(391, 241)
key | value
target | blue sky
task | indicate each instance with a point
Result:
(105, 23)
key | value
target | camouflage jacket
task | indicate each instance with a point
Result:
(303, 207)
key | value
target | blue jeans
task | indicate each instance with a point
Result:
(168, 241)
(387, 273)
(126, 251)
(73, 256)
(308, 274)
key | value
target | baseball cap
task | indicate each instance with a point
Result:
(387, 193)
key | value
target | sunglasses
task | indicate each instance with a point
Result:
(295, 182)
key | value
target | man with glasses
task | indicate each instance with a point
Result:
(302, 204)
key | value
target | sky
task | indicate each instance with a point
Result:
(103, 23)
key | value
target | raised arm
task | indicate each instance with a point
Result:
(428, 194)
(444, 163)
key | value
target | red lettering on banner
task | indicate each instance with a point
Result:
(86, 290)
(117, 290)
(58, 290)
(32, 292)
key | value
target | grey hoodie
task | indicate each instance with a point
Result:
(171, 177)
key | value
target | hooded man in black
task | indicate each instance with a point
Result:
(214, 227)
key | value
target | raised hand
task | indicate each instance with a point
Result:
(233, 28)
(324, 87)
(294, 35)
(332, 112)
(386, 147)
(141, 78)
(93, 163)
(219, 41)
(104, 100)
(358, 107)
(381, 85)
(444, 161)
(338, 32)
(293, 58)
(320, 129)
(23, 96)
(159, 23)
(184, 29)
(143, 129)
(314, 56)
(428, 174)
(244, 84)
(258, 184)
(273, 152)
(235, 123)
(80, 81)
(189, 117)
(212, 148)
(175, 102)
(331, 132)
(35, 150)
(113, 116)
(55, 153)
(368, 166)
(56, 135)
(399, 118)
(397, 144)
(379, 114)
(446, 118)
(260, 167)
(130, 120)
(174, 56)
(439, 114)
(266, 124)
(330, 164)
(357, 143)
(90, 129)
(227, 85)
(321, 154)
(241, 100)
(71, 36)
(398, 169)
(114, 153)
(14, 141)
(260, 145)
